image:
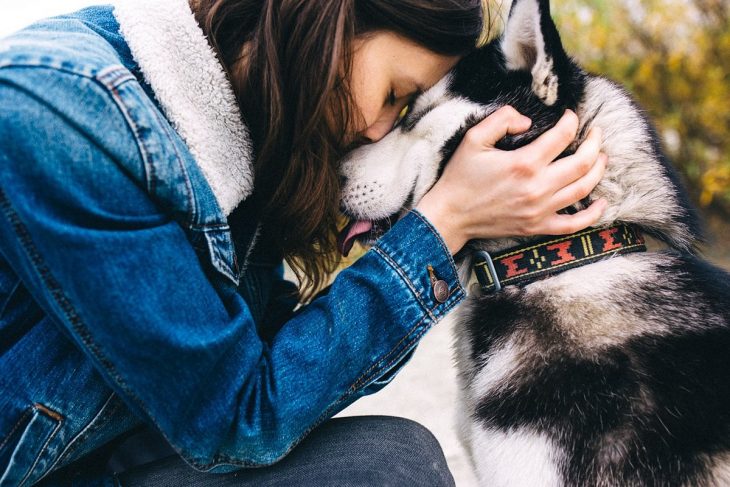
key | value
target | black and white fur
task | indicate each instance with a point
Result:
(615, 373)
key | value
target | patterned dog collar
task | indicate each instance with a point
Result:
(524, 264)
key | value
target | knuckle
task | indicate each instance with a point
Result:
(585, 164)
(507, 111)
(525, 168)
(572, 118)
(566, 134)
(471, 137)
(532, 215)
(582, 191)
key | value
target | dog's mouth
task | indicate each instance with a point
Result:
(364, 231)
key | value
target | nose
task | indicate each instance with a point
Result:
(377, 131)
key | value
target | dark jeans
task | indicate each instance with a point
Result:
(355, 451)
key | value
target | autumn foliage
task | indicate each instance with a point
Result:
(674, 56)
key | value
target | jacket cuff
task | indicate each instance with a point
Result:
(418, 253)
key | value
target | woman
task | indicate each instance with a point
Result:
(144, 223)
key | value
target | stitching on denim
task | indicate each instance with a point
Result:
(322, 417)
(114, 75)
(7, 301)
(398, 358)
(51, 436)
(193, 210)
(60, 298)
(448, 305)
(403, 276)
(149, 167)
(404, 349)
(78, 326)
(402, 354)
(386, 357)
(26, 64)
(440, 240)
(15, 427)
(93, 425)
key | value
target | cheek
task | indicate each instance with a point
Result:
(366, 111)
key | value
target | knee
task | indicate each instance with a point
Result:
(399, 452)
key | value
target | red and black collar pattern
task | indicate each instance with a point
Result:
(521, 265)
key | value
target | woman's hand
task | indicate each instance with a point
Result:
(488, 193)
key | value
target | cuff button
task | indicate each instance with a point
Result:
(439, 286)
(440, 291)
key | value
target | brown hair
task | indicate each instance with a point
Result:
(291, 85)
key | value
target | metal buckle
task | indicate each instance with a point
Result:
(486, 273)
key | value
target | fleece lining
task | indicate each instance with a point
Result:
(193, 90)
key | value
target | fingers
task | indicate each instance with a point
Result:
(580, 188)
(559, 224)
(504, 121)
(553, 142)
(573, 167)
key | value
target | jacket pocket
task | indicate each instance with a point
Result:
(23, 450)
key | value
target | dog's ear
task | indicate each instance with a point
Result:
(531, 42)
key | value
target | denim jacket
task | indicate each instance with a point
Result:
(124, 296)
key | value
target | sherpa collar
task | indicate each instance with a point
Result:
(192, 88)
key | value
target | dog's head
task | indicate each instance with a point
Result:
(528, 69)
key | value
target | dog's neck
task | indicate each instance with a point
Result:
(524, 264)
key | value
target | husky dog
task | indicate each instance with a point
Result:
(616, 372)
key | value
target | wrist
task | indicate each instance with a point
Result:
(444, 221)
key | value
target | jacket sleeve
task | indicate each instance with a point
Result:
(120, 276)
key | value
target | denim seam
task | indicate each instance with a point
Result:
(75, 322)
(7, 301)
(90, 74)
(114, 76)
(192, 211)
(405, 349)
(402, 274)
(149, 167)
(16, 426)
(394, 350)
(51, 436)
(325, 415)
(441, 242)
(60, 299)
(112, 84)
(441, 310)
(91, 426)
(378, 365)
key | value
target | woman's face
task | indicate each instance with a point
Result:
(388, 71)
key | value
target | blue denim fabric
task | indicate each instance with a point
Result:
(122, 300)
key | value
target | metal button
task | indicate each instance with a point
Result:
(440, 291)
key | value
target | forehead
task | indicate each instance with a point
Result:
(387, 53)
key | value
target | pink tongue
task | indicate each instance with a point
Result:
(350, 232)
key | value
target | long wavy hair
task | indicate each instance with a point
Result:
(288, 62)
